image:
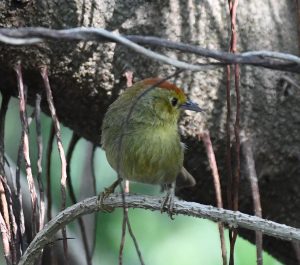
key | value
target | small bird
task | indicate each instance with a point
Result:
(151, 150)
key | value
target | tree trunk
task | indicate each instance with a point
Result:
(86, 77)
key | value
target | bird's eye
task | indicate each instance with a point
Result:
(174, 102)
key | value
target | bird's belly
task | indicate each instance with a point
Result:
(152, 160)
(151, 173)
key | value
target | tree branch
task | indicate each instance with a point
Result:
(93, 34)
(24, 36)
(90, 205)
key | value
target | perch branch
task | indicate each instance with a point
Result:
(231, 218)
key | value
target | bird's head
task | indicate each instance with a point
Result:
(166, 100)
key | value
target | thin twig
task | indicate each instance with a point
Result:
(11, 174)
(39, 165)
(5, 193)
(237, 139)
(14, 230)
(228, 140)
(4, 106)
(228, 149)
(5, 240)
(290, 81)
(15, 239)
(4, 207)
(73, 142)
(20, 216)
(48, 179)
(22, 236)
(252, 177)
(44, 74)
(20, 210)
(23, 36)
(297, 250)
(39, 160)
(233, 48)
(90, 205)
(213, 165)
(48, 171)
(4, 204)
(26, 149)
(122, 239)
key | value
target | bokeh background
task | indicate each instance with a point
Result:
(186, 240)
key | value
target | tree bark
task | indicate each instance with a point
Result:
(86, 77)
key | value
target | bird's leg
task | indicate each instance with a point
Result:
(169, 200)
(102, 195)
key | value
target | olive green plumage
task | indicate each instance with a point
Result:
(151, 150)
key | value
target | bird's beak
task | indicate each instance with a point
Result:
(189, 105)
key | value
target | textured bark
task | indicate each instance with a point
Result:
(87, 77)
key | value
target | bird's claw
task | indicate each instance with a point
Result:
(169, 202)
(101, 197)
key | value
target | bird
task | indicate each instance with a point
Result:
(151, 151)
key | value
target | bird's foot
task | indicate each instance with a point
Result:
(101, 197)
(169, 201)
(104, 194)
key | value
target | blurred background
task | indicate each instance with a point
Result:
(185, 240)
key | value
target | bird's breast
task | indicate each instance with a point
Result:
(150, 154)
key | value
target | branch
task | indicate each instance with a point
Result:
(61, 152)
(93, 34)
(252, 177)
(90, 205)
(276, 55)
(24, 36)
(205, 136)
(25, 136)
